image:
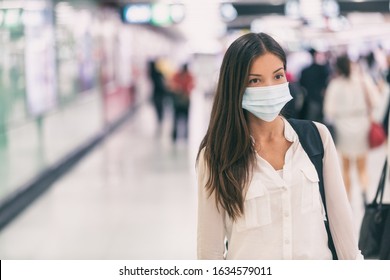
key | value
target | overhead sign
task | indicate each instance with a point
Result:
(158, 14)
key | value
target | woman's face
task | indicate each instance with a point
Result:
(266, 70)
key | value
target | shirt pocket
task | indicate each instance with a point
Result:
(257, 210)
(310, 199)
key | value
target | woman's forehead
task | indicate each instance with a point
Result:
(266, 62)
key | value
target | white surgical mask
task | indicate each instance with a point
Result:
(266, 102)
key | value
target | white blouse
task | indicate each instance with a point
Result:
(284, 215)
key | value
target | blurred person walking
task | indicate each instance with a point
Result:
(181, 85)
(159, 91)
(295, 107)
(314, 79)
(370, 65)
(349, 100)
(257, 187)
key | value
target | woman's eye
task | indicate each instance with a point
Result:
(279, 76)
(254, 81)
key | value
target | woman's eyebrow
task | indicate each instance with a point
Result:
(259, 75)
(278, 69)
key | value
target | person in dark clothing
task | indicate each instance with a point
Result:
(181, 85)
(158, 90)
(314, 80)
(294, 108)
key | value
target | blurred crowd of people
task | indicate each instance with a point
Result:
(346, 95)
(333, 89)
(177, 89)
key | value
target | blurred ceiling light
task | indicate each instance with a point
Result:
(330, 8)
(177, 12)
(138, 13)
(292, 9)
(311, 9)
(228, 12)
(160, 14)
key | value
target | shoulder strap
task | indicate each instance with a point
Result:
(311, 142)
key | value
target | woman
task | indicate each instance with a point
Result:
(348, 100)
(258, 189)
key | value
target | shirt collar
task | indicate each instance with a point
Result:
(289, 132)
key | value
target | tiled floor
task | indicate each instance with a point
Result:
(134, 197)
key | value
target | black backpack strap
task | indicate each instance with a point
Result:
(311, 142)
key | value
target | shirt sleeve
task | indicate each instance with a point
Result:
(340, 214)
(211, 228)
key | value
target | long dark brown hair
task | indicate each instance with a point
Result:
(228, 152)
(343, 65)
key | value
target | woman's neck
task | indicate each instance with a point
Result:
(266, 131)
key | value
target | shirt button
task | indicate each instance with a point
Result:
(286, 241)
(286, 214)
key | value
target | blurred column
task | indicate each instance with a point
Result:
(202, 25)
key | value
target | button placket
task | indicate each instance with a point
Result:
(286, 214)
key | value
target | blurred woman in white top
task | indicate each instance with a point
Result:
(349, 98)
(258, 189)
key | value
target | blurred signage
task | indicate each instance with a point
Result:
(158, 14)
(11, 18)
